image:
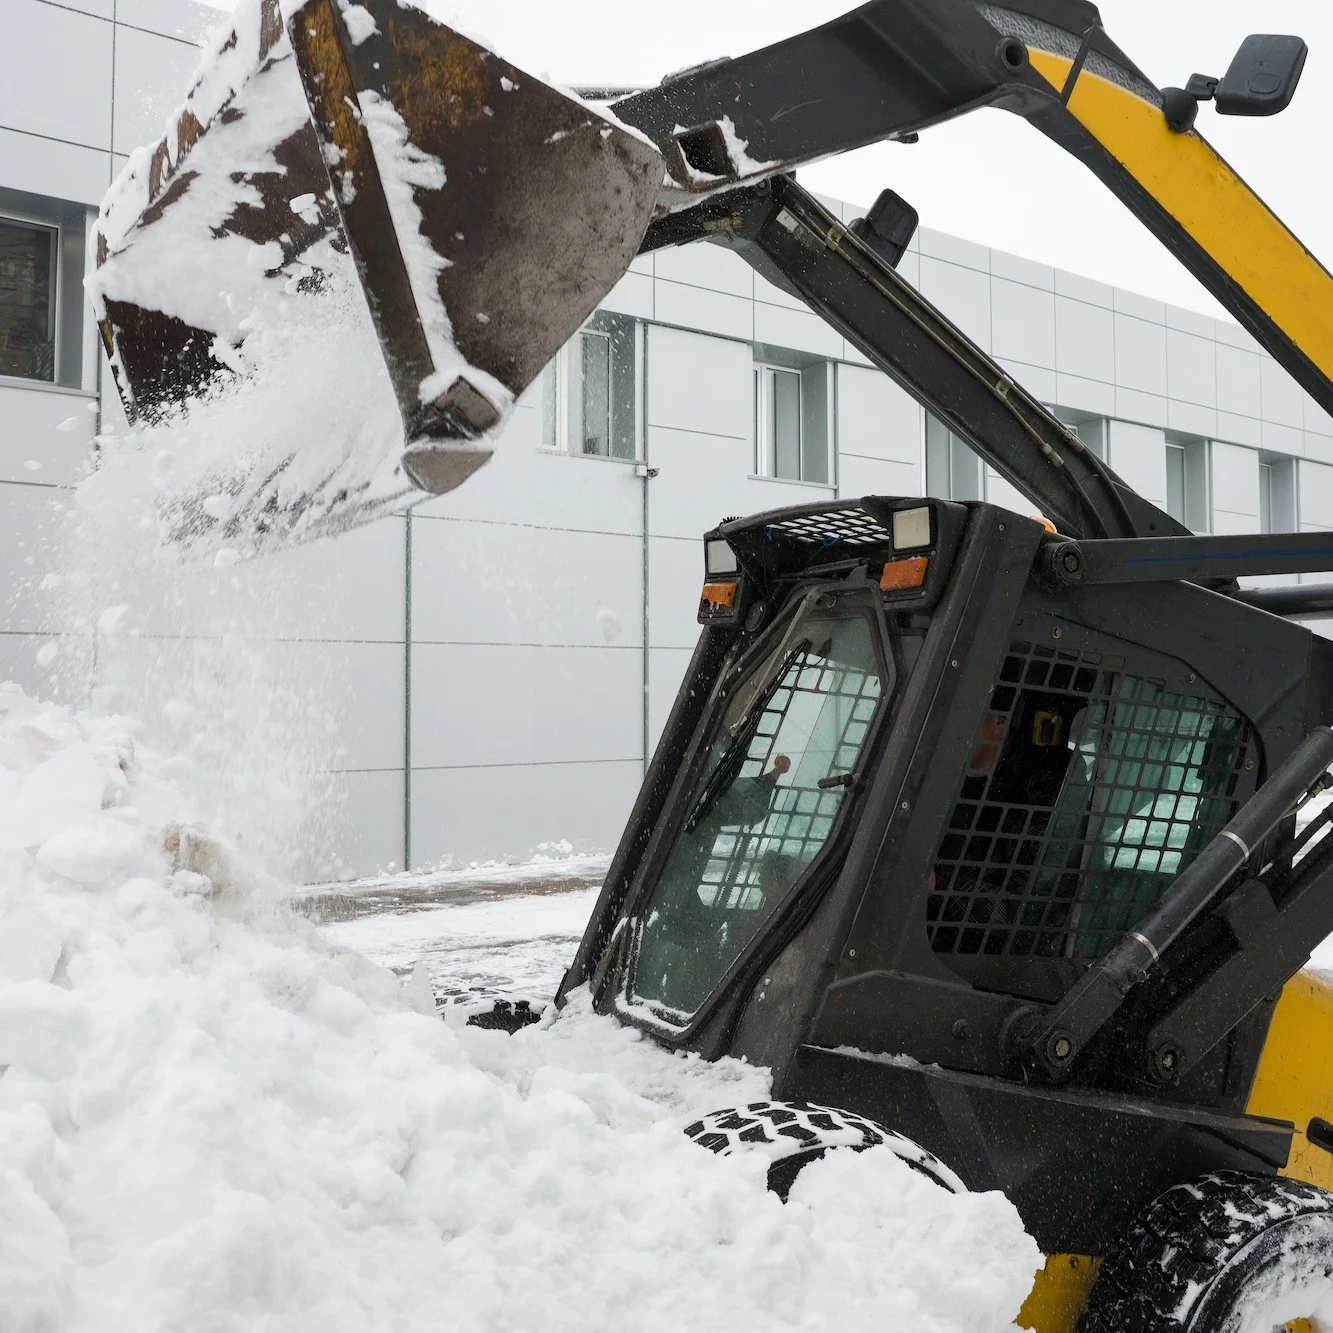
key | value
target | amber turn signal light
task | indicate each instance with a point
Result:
(900, 574)
(719, 594)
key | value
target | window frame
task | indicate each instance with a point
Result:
(813, 403)
(558, 395)
(19, 218)
(77, 347)
(734, 673)
(763, 381)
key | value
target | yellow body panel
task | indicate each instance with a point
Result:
(1294, 1082)
(1058, 1293)
(1295, 1077)
(1214, 206)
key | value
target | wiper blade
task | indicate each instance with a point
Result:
(725, 773)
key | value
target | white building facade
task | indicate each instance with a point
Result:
(503, 659)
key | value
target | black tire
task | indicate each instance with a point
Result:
(1231, 1253)
(794, 1134)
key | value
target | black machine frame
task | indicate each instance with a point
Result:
(1082, 1120)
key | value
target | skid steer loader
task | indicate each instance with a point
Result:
(999, 841)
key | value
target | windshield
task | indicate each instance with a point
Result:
(760, 811)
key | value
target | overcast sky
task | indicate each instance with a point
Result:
(988, 176)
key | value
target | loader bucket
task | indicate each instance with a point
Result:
(369, 169)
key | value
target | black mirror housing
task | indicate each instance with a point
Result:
(888, 228)
(1263, 77)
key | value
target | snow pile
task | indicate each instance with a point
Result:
(212, 1120)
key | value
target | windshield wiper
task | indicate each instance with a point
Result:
(733, 757)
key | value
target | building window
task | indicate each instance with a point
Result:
(953, 470)
(45, 334)
(590, 391)
(28, 272)
(791, 422)
(1277, 493)
(1188, 488)
(1175, 481)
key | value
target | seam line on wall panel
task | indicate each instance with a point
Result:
(99, 18)
(407, 692)
(535, 527)
(362, 770)
(508, 643)
(530, 763)
(871, 458)
(646, 539)
(689, 430)
(38, 485)
(111, 129)
(256, 638)
(701, 287)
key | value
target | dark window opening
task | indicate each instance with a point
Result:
(1088, 791)
(27, 300)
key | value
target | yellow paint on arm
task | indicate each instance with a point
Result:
(1222, 215)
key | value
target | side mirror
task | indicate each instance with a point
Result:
(1262, 81)
(1263, 77)
(888, 228)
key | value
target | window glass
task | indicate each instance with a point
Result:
(596, 371)
(816, 388)
(590, 391)
(1088, 791)
(762, 809)
(551, 405)
(785, 424)
(1265, 497)
(953, 470)
(605, 403)
(791, 437)
(1175, 481)
(27, 281)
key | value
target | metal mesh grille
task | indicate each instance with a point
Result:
(1089, 790)
(851, 526)
(767, 801)
(791, 822)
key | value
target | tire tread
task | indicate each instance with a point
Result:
(1185, 1238)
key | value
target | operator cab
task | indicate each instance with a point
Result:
(910, 792)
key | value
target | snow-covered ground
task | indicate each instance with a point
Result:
(511, 927)
(215, 1118)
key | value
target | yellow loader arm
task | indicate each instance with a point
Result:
(895, 67)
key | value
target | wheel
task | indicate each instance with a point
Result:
(1231, 1253)
(486, 1007)
(794, 1134)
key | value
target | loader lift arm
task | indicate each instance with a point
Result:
(790, 238)
(515, 244)
(894, 67)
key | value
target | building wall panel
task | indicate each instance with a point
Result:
(477, 705)
(152, 77)
(877, 419)
(1140, 355)
(1022, 323)
(964, 294)
(479, 583)
(46, 48)
(1084, 340)
(1138, 454)
(466, 815)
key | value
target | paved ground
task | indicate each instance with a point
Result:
(512, 927)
